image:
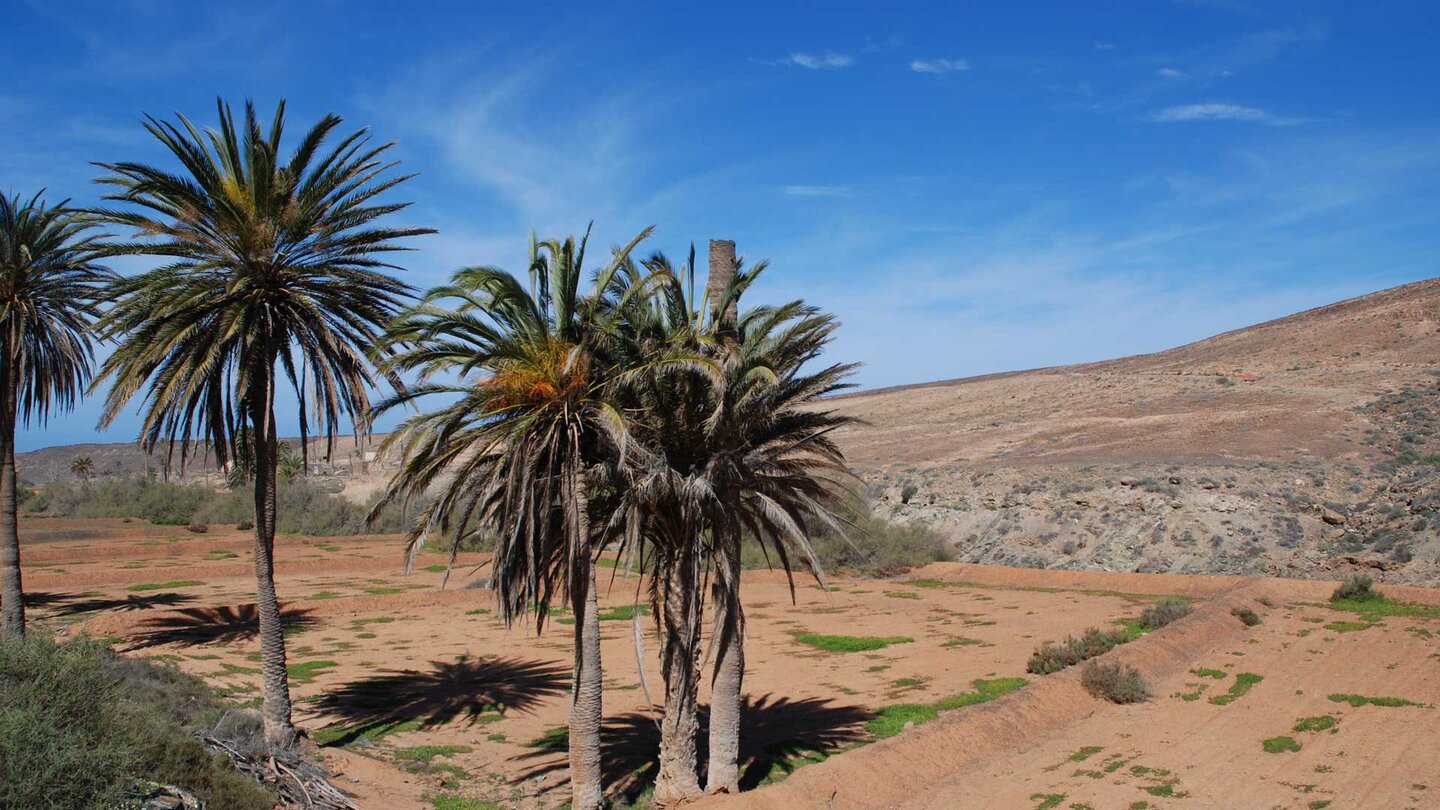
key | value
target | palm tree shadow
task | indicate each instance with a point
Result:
(476, 689)
(126, 604)
(777, 735)
(194, 627)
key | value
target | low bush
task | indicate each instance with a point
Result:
(79, 725)
(304, 506)
(1356, 588)
(1245, 615)
(1164, 612)
(1051, 657)
(871, 547)
(197, 527)
(1114, 682)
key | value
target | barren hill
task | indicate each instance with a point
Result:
(1303, 446)
(1296, 446)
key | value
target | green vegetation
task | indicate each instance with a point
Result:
(1050, 657)
(306, 507)
(322, 595)
(1349, 627)
(1047, 801)
(1244, 682)
(1323, 722)
(871, 547)
(1202, 672)
(426, 753)
(454, 801)
(166, 586)
(891, 720)
(362, 733)
(1164, 612)
(78, 724)
(1085, 753)
(1280, 745)
(1379, 607)
(306, 672)
(1363, 700)
(436, 569)
(849, 644)
(556, 738)
(1245, 615)
(1356, 588)
(1114, 682)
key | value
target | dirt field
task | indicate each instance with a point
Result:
(417, 692)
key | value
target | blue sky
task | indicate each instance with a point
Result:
(972, 187)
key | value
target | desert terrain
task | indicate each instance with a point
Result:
(416, 692)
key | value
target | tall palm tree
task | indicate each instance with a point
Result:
(274, 263)
(50, 288)
(82, 467)
(521, 449)
(730, 447)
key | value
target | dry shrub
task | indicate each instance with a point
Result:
(1164, 612)
(1114, 682)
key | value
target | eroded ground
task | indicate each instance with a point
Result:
(416, 691)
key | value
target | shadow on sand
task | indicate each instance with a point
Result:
(471, 689)
(777, 735)
(192, 627)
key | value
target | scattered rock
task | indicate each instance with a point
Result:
(1332, 517)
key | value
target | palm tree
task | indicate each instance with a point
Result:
(49, 298)
(82, 467)
(520, 451)
(274, 264)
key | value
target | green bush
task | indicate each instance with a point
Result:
(1051, 657)
(1114, 682)
(78, 724)
(1164, 612)
(1245, 615)
(303, 506)
(871, 547)
(1356, 588)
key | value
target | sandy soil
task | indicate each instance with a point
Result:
(376, 649)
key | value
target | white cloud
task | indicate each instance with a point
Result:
(816, 191)
(1170, 73)
(1220, 112)
(829, 60)
(939, 65)
(1104, 46)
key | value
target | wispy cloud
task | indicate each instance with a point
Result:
(939, 65)
(1170, 73)
(829, 60)
(816, 191)
(1104, 46)
(1221, 112)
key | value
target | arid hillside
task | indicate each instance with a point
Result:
(1302, 446)
(1306, 446)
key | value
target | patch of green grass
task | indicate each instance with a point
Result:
(1244, 682)
(1349, 627)
(1319, 804)
(1372, 609)
(324, 595)
(624, 613)
(907, 683)
(357, 623)
(236, 669)
(1280, 745)
(891, 720)
(166, 586)
(305, 672)
(1364, 700)
(1323, 722)
(1202, 672)
(926, 583)
(220, 554)
(366, 733)
(849, 644)
(425, 753)
(1047, 801)
(384, 591)
(436, 569)
(1164, 791)
(476, 612)
(902, 594)
(1086, 752)
(454, 801)
(961, 641)
(878, 668)
(553, 739)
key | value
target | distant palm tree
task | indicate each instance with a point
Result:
(50, 286)
(275, 264)
(82, 467)
(520, 449)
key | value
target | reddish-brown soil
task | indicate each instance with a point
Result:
(439, 662)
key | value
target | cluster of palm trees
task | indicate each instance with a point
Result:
(562, 413)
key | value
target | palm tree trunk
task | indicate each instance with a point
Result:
(275, 710)
(12, 594)
(725, 688)
(677, 779)
(587, 784)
